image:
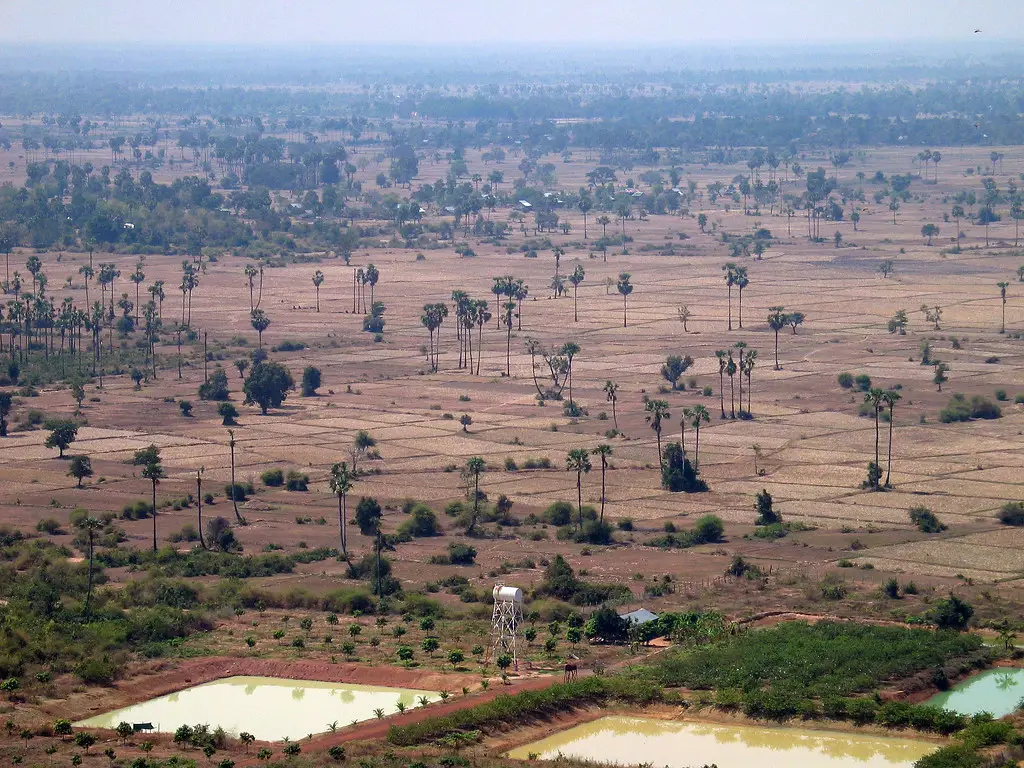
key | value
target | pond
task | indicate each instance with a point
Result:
(996, 691)
(270, 708)
(632, 740)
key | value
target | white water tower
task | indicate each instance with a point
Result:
(506, 621)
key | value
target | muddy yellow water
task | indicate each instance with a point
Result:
(633, 740)
(270, 708)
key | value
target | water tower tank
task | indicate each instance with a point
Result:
(508, 594)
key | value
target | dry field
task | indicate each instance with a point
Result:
(814, 446)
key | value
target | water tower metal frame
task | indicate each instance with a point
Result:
(506, 621)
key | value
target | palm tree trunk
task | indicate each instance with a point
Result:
(730, 307)
(721, 392)
(88, 594)
(740, 308)
(696, 448)
(604, 464)
(888, 463)
(732, 398)
(579, 496)
(877, 470)
(234, 495)
(777, 350)
(154, 514)
(199, 502)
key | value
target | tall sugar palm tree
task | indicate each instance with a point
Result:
(1002, 295)
(89, 525)
(611, 390)
(875, 397)
(154, 472)
(318, 279)
(730, 371)
(578, 461)
(730, 280)
(742, 281)
(625, 288)
(700, 414)
(890, 397)
(720, 354)
(341, 483)
(604, 451)
(777, 320)
(657, 411)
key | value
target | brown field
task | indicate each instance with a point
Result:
(814, 446)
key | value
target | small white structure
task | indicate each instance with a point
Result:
(506, 621)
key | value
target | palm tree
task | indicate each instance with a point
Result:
(875, 396)
(372, 275)
(700, 414)
(611, 390)
(777, 320)
(250, 275)
(569, 350)
(730, 371)
(90, 525)
(625, 288)
(585, 204)
(318, 279)
(474, 468)
(260, 323)
(604, 451)
(341, 482)
(578, 461)
(742, 281)
(657, 410)
(234, 496)
(683, 419)
(740, 347)
(889, 397)
(720, 354)
(1002, 295)
(87, 272)
(730, 280)
(604, 221)
(137, 277)
(749, 360)
(576, 278)
(154, 472)
(199, 503)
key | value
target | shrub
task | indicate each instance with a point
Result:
(422, 523)
(678, 474)
(368, 515)
(49, 526)
(186, 407)
(461, 554)
(845, 380)
(273, 478)
(559, 513)
(925, 520)
(311, 379)
(1001, 395)
(228, 414)
(863, 382)
(216, 388)
(951, 613)
(1012, 513)
(960, 409)
(296, 481)
(235, 492)
(708, 530)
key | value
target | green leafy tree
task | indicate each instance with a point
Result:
(268, 385)
(674, 367)
(80, 468)
(311, 379)
(62, 434)
(368, 516)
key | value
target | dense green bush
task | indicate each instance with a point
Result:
(925, 520)
(273, 478)
(960, 409)
(1012, 513)
(421, 523)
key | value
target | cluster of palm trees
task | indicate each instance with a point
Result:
(736, 360)
(735, 275)
(778, 319)
(360, 279)
(878, 399)
(578, 461)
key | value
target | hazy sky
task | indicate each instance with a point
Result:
(509, 21)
